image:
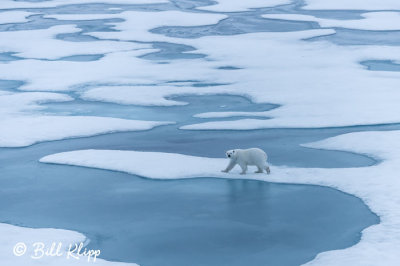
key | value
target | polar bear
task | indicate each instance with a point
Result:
(253, 156)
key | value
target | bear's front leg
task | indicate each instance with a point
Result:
(244, 168)
(229, 167)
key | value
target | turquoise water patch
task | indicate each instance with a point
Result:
(81, 58)
(10, 85)
(361, 37)
(229, 68)
(8, 56)
(381, 65)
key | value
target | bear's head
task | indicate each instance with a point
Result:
(231, 154)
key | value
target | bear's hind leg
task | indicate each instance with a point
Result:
(268, 170)
(260, 170)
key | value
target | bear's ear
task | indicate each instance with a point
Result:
(233, 151)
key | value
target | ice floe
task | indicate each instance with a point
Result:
(238, 5)
(21, 128)
(26, 130)
(370, 21)
(378, 185)
(43, 44)
(142, 163)
(21, 103)
(14, 16)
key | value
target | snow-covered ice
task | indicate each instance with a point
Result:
(22, 131)
(148, 164)
(17, 103)
(20, 128)
(44, 45)
(14, 16)
(378, 185)
(370, 21)
(317, 84)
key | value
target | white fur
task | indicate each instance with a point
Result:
(243, 158)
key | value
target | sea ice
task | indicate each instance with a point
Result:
(21, 128)
(22, 131)
(44, 45)
(14, 16)
(317, 84)
(377, 185)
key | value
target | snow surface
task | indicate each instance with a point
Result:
(14, 16)
(21, 103)
(26, 130)
(371, 21)
(353, 4)
(240, 5)
(43, 45)
(141, 163)
(377, 185)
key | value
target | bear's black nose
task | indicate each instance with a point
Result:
(229, 155)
